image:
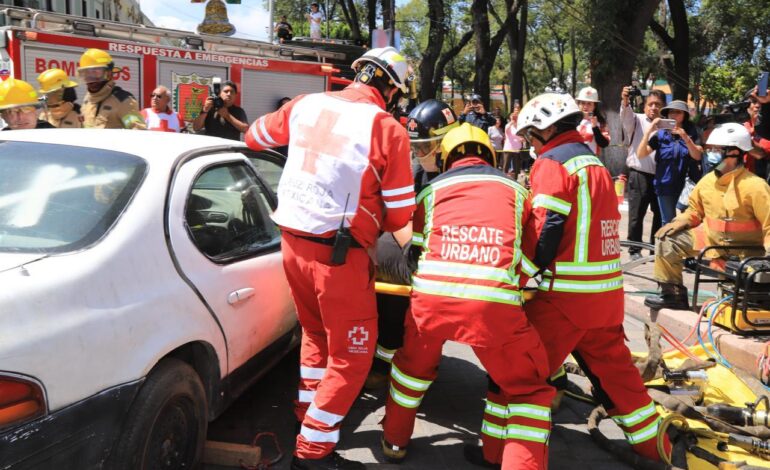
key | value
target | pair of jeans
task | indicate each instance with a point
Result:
(641, 196)
(667, 206)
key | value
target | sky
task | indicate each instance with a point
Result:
(250, 19)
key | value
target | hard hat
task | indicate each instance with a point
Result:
(95, 58)
(545, 110)
(54, 79)
(588, 94)
(15, 93)
(467, 140)
(430, 120)
(390, 61)
(730, 134)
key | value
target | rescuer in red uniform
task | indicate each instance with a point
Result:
(579, 305)
(347, 177)
(466, 289)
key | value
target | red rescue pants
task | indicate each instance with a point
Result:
(338, 314)
(603, 355)
(518, 366)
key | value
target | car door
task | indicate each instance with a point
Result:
(227, 246)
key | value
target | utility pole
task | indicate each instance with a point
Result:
(393, 23)
(270, 27)
(326, 14)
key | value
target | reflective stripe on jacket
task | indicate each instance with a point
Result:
(469, 222)
(577, 225)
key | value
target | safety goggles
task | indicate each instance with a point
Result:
(422, 148)
(94, 75)
(18, 111)
(54, 105)
(527, 134)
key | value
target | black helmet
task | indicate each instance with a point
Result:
(427, 124)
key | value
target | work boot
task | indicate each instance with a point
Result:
(393, 454)
(333, 461)
(671, 296)
(475, 454)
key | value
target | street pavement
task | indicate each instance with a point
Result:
(450, 415)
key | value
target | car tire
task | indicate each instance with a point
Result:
(166, 425)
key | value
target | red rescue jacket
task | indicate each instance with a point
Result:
(577, 225)
(468, 223)
(347, 157)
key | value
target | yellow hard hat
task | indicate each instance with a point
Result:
(467, 140)
(15, 93)
(54, 79)
(95, 58)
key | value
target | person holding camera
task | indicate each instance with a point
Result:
(593, 126)
(476, 115)
(641, 172)
(220, 116)
(283, 30)
(761, 143)
(314, 17)
(676, 146)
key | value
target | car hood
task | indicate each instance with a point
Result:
(9, 261)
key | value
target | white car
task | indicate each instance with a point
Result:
(141, 290)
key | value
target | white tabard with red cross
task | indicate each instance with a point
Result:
(329, 145)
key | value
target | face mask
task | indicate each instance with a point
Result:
(714, 158)
(428, 162)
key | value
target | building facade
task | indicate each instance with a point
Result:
(123, 11)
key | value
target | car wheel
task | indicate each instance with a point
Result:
(166, 425)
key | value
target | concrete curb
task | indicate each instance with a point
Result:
(741, 351)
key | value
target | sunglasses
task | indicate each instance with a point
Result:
(19, 111)
(156, 95)
(53, 105)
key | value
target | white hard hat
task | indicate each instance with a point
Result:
(731, 134)
(390, 61)
(544, 110)
(588, 94)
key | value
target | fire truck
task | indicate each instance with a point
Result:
(32, 41)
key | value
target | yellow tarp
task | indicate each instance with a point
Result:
(723, 386)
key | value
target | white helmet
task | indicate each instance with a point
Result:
(588, 94)
(544, 110)
(731, 134)
(388, 60)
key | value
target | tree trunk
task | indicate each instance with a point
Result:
(371, 16)
(573, 51)
(517, 39)
(351, 17)
(487, 45)
(387, 13)
(436, 33)
(678, 70)
(612, 60)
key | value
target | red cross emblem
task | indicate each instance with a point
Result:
(318, 139)
(412, 125)
(358, 335)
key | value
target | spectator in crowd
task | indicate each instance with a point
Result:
(159, 116)
(753, 162)
(59, 96)
(513, 142)
(475, 113)
(497, 133)
(593, 127)
(675, 150)
(314, 18)
(19, 106)
(228, 121)
(641, 172)
(283, 30)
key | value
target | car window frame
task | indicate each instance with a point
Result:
(270, 196)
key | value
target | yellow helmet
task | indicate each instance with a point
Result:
(95, 58)
(467, 140)
(54, 79)
(15, 93)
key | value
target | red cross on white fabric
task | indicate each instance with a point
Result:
(318, 139)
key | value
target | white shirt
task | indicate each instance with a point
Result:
(315, 27)
(496, 137)
(512, 141)
(634, 127)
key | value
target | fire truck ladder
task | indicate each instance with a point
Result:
(37, 20)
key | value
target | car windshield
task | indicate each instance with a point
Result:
(58, 198)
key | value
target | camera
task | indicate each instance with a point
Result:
(634, 92)
(216, 85)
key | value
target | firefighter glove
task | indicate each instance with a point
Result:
(671, 228)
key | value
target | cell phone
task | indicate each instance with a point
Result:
(762, 84)
(666, 124)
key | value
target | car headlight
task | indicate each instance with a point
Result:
(21, 399)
